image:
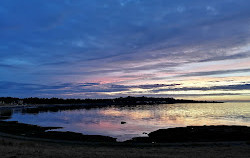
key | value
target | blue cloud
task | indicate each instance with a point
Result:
(226, 87)
(218, 72)
(44, 42)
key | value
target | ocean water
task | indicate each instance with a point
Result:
(139, 119)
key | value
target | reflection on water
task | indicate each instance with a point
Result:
(140, 119)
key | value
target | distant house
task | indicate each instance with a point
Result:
(20, 102)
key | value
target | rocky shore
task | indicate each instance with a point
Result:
(170, 135)
(25, 140)
(196, 134)
(34, 131)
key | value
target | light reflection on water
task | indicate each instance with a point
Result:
(139, 119)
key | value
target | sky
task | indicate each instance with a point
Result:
(186, 49)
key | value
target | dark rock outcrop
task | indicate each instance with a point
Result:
(197, 134)
(27, 130)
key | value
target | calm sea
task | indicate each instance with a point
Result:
(139, 119)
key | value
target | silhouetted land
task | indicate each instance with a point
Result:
(117, 101)
(197, 134)
(24, 140)
(170, 135)
(27, 130)
(36, 105)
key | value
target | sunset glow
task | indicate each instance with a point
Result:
(105, 49)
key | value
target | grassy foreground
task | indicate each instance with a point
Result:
(13, 148)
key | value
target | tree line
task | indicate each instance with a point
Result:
(118, 101)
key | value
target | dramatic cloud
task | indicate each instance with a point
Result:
(227, 87)
(127, 44)
(208, 73)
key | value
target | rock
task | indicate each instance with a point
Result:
(201, 133)
(139, 140)
(196, 134)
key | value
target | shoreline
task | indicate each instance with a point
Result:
(47, 107)
(122, 101)
(175, 136)
(37, 147)
(125, 143)
(189, 134)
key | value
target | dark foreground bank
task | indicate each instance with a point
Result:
(15, 148)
